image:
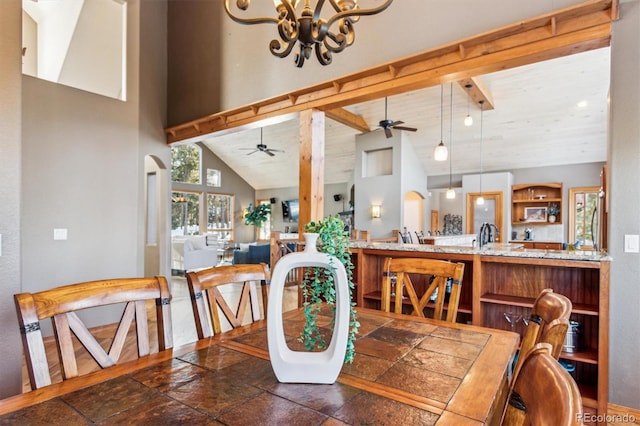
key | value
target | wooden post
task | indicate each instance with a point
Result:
(311, 186)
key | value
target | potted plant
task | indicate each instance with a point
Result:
(554, 211)
(256, 215)
(318, 284)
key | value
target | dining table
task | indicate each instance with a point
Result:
(407, 371)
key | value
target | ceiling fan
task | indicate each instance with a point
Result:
(262, 148)
(387, 124)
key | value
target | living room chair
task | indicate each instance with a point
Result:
(544, 393)
(437, 273)
(206, 297)
(61, 303)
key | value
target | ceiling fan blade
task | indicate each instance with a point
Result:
(409, 129)
(269, 153)
(387, 131)
(396, 123)
(252, 152)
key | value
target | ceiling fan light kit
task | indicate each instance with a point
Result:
(307, 28)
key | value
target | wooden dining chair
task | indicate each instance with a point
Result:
(548, 323)
(61, 305)
(396, 277)
(206, 297)
(544, 392)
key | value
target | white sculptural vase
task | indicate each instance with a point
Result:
(299, 366)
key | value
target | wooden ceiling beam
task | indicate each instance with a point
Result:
(575, 29)
(478, 91)
(348, 118)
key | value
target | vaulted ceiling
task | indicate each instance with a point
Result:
(549, 113)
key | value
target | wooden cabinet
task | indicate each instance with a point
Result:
(495, 284)
(512, 285)
(528, 199)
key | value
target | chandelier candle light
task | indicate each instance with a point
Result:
(308, 28)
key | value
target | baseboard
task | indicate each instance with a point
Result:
(618, 414)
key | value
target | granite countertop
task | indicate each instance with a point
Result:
(492, 249)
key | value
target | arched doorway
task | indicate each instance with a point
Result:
(413, 218)
(156, 213)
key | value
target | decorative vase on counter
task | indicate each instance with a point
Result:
(299, 366)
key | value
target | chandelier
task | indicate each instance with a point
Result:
(309, 29)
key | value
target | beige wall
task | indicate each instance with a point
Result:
(10, 152)
(624, 160)
(82, 168)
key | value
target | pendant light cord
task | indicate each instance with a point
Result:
(481, 140)
(441, 113)
(450, 129)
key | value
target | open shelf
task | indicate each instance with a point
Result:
(535, 195)
(589, 356)
(527, 302)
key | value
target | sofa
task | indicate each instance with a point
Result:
(253, 253)
(194, 252)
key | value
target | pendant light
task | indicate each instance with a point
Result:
(468, 120)
(480, 200)
(440, 153)
(451, 193)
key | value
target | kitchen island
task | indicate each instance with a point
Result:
(507, 277)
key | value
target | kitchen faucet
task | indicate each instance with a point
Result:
(488, 233)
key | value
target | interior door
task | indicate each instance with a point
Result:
(489, 212)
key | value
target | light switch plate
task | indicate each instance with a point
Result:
(631, 243)
(60, 233)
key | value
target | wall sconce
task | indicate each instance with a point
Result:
(375, 211)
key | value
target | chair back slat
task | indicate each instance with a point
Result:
(121, 333)
(397, 280)
(208, 301)
(60, 305)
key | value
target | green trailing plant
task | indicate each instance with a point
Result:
(256, 215)
(318, 284)
(554, 210)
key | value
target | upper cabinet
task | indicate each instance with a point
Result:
(536, 203)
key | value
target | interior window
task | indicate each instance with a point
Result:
(220, 215)
(60, 40)
(264, 233)
(185, 213)
(186, 163)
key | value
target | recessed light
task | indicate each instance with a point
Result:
(582, 104)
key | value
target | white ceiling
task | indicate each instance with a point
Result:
(536, 122)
